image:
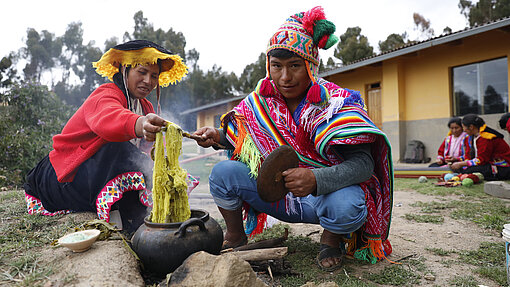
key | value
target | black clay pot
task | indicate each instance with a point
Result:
(162, 247)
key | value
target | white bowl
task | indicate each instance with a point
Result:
(79, 241)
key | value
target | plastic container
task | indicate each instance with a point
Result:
(506, 237)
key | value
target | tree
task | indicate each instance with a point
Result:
(484, 10)
(172, 41)
(353, 46)
(41, 51)
(422, 25)
(76, 61)
(392, 42)
(8, 73)
(72, 42)
(447, 30)
(110, 43)
(251, 75)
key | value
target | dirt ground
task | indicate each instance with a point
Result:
(409, 239)
(412, 238)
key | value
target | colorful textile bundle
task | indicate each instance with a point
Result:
(169, 194)
(258, 125)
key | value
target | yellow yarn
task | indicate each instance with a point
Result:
(169, 194)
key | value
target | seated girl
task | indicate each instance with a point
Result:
(453, 147)
(488, 153)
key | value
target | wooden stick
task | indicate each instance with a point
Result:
(268, 243)
(262, 254)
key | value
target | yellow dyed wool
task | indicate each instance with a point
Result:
(169, 192)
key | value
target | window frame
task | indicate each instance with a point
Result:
(479, 89)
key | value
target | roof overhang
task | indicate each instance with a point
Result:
(448, 38)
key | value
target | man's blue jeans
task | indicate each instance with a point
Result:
(340, 212)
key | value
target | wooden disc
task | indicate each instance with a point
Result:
(270, 182)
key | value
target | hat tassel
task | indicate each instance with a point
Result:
(265, 88)
(317, 94)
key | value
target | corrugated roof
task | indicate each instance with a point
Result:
(414, 47)
(211, 105)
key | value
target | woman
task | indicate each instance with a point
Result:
(99, 161)
(488, 153)
(504, 122)
(452, 149)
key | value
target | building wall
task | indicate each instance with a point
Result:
(206, 117)
(416, 89)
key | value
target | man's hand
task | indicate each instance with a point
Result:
(300, 181)
(148, 126)
(210, 136)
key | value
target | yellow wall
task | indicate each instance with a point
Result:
(358, 79)
(418, 86)
(206, 117)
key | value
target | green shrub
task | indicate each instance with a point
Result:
(30, 116)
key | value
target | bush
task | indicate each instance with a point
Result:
(30, 116)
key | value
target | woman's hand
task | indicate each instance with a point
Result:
(210, 136)
(300, 181)
(148, 126)
(458, 165)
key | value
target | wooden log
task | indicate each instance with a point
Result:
(262, 254)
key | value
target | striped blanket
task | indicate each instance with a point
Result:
(259, 125)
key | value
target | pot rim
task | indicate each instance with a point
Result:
(203, 217)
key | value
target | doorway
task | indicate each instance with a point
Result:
(373, 103)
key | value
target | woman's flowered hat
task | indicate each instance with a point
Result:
(142, 52)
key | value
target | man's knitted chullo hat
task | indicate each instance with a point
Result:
(303, 33)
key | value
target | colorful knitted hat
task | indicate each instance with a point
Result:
(303, 33)
(142, 52)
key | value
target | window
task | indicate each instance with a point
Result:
(481, 88)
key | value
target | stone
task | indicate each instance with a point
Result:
(430, 277)
(497, 188)
(106, 263)
(207, 270)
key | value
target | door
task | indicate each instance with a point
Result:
(374, 105)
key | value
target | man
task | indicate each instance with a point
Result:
(344, 178)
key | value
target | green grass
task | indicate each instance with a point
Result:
(397, 275)
(489, 213)
(276, 231)
(463, 281)
(433, 206)
(440, 251)
(408, 273)
(425, 218)
(20, 236)
(429, 188)
(489, 259)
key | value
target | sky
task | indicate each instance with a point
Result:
(229, 34)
